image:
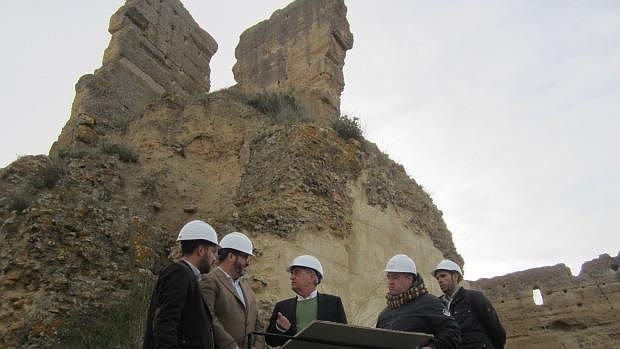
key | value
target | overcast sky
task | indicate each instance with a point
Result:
(507, 112)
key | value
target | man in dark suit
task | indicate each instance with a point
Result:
(294, 314)
(178, 316)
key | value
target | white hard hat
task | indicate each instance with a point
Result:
(401, 264)
(448, 265)
(198, 230)
(237, 241)
(307, 261)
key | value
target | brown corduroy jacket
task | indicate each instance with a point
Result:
(232, 321)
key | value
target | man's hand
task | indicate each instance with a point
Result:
(283, 322)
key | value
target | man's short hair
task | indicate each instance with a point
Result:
(451, 272)
(189, 246)
(317, 277)
(222, 253)
(460, 277)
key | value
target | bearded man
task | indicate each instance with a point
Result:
(178, 315)
(232, 302)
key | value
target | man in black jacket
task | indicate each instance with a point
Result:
(411, 308)
(178, 315)
(294, 314)
(480, 325)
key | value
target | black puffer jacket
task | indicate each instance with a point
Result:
(480, 325)
(424, 314)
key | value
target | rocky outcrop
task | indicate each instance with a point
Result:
(299, 49)
(577, 312)
(142, 154)
(293, 189)
(75, 247)
(156, 48)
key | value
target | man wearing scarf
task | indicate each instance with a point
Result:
(411, 308)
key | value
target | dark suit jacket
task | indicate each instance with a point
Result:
(480, 325)
(178, 315)
(330, 308)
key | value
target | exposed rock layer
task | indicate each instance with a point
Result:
(146, 150)
(156, 48)
(120, 217)
(300, 49)
(160, 41)
(578, 312)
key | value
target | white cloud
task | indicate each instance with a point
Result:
(507, 114)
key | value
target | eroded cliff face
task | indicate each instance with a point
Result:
(147, 149)
(577, 312)
(299, 49)
(108, 222)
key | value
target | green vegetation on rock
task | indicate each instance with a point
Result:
(120, 326)
(281, 108)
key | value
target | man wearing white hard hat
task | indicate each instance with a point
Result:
(480, 325)
(411, 308)
(294, 314)
(232, 302)
(178, 315)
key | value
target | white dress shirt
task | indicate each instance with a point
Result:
(236, 285)
(194, 269)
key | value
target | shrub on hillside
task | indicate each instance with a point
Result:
(124, 153)
(20, 199)
(121, 124)
(78, 153)
(281, 108)
(45, 177)
(49, 174)
(348, 127)
(120, 326)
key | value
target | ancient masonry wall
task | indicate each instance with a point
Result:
(299, 49)
(577, 312)
(156, 48)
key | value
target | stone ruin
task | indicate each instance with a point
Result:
(577, 312)
(299, 49)
(157, 48)
(294, 189)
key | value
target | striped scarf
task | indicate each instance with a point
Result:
(416, 290)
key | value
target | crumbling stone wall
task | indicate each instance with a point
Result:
(156, 48)
(578, 312)
(300, 49)
(161, 40)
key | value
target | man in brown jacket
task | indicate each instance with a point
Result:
(232, 303)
